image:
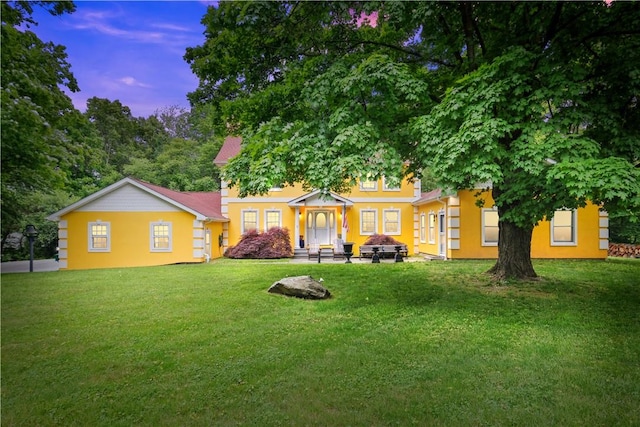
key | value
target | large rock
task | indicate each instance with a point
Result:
(301, 287)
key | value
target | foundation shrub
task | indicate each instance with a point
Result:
(271, 244)
(382, 239)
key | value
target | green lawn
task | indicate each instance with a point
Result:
(398, 344)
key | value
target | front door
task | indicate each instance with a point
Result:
(207, 242)
(442, 234)
(321, 226)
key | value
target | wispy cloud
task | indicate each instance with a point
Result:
(171, 27)
(131, 81)
(130, 51)
(115, 23)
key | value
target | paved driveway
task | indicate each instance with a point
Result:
(23, 266)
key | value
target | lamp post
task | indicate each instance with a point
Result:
(398, 255)
(31, 232)
(348, 251)
(375, 259)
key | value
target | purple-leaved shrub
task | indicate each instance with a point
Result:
(382, 239)
(271, 244)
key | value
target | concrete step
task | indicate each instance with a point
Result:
(303, 254)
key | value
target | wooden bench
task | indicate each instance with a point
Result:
(384, 251)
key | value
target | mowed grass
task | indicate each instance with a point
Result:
(435, 344)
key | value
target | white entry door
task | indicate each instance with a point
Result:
(207, 242)
(321, 226)
(442, 235)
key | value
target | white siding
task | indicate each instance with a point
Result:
(128, 199)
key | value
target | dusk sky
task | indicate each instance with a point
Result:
(131, 51)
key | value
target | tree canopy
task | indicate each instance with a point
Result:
(538, 100)
(35, 111)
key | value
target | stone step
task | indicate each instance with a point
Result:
(303, 254)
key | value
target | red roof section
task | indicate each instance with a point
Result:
(206, 203)
(433, 194)
(229, 149)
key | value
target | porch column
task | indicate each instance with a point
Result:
(297, 228)
(344, 230)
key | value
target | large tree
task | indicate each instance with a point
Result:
(118, 130)
(182, 165)
(539, 100)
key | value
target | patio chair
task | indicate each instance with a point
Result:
(313, 250)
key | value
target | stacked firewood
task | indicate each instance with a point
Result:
(624, 250)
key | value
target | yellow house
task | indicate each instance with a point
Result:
(372, 207)
(451, 226)
(447, 226)
(133, 223)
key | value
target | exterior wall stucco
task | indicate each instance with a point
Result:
(378, 200)
(427, 246)
(130, 240)
(592, 232)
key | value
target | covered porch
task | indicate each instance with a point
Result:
(320, 218)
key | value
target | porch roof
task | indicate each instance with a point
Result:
(320, 198)
(437, 194)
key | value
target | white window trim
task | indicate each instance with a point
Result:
(375, 185)
(375, 222)
(90, 240)
(242, 221)
(152, 235)
(399, 222)
(431, 237)
(266, 215)
(484, 239)
(423, 228)
(386, 188)
(574, 229)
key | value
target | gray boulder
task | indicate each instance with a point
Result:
(301, 287)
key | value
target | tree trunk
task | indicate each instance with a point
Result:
(514, 252)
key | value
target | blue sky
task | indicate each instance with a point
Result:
(131, 51)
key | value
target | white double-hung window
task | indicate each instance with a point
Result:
(160, 240)
(563, 228)
(99, 237)
(273, 218)
(391, 219)
(368, 185)
(368, 221)
(249, 220)
(432, 227)
(387, 186)
(423, 228)
(490, 228)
